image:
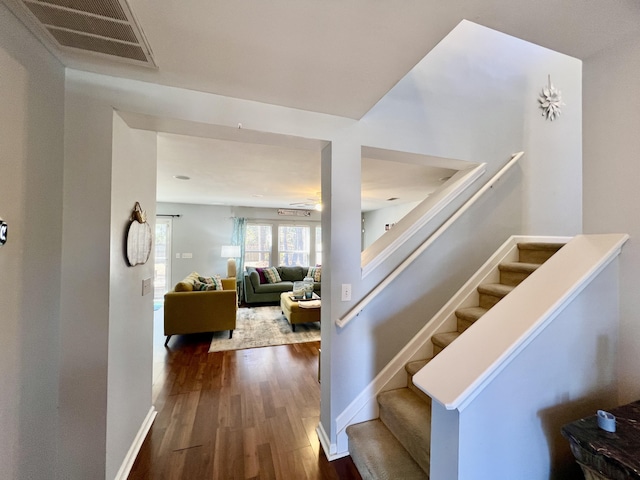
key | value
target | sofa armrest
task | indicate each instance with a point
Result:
(229, 283)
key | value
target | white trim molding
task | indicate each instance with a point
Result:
(330, 449)
(134, 449)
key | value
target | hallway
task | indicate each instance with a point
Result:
(243, 414)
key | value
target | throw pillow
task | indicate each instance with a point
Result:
(315, 273)
(263, 277)
(272, 275)
(199, 286)
(184, 287)
(214, 282)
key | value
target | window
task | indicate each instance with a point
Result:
(318, 245)
(293, 245)
(162, 268)
(257, 246)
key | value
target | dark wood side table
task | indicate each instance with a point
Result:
(607, 455)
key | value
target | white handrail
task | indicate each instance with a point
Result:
(355, 311)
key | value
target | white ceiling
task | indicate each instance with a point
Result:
(340, 57)
(226, 172)
(330, 56)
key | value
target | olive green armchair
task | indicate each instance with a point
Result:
(188, 311)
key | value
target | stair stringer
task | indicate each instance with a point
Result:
(365, 406)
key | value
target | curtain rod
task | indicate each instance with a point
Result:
(168, 215)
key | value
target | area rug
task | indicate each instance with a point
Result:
(263, 327)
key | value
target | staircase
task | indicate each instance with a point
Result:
(397, 444)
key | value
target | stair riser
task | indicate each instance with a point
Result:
(535, 256)
(417, 391)
(488, 301)
(418, 448)
(463, 324)
(436, 350)
(378, 455)
(512, 278)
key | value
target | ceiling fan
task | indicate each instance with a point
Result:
(310, 203)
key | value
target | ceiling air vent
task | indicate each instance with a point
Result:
(101, 27)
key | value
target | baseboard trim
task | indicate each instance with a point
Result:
(329, 448)
(131, 455)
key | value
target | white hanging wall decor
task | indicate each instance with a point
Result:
(139, 238)
(550, 101)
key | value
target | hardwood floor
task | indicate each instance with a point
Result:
(246, 414)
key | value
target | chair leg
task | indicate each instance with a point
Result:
(293, 327)
(167, 340)
(230, 333)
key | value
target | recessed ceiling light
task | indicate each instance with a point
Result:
(257, 195)
(181, 177)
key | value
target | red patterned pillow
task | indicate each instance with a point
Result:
(263, 277)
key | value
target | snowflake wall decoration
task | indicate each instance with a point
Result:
(550, 101)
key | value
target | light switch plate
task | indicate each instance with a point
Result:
(146, 286)
(346, 292)
(187, 255)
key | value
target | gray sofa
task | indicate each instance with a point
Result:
(256, 291)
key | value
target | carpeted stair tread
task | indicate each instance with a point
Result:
(495, 289)
(378, 455)
(442, 340)
(468, 315)
(492, 293)
(523, 267)
(413, 367)
(408, 418)
(514, 273)
(535, 252)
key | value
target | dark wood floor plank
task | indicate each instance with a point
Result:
(265, 457)
(245, 414)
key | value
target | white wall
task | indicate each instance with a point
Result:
(130, 313)
(473, 98)
(200, 230)
(611, 173)
(203, 229)
(374, 221)
(85, 297)
(31, 139)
